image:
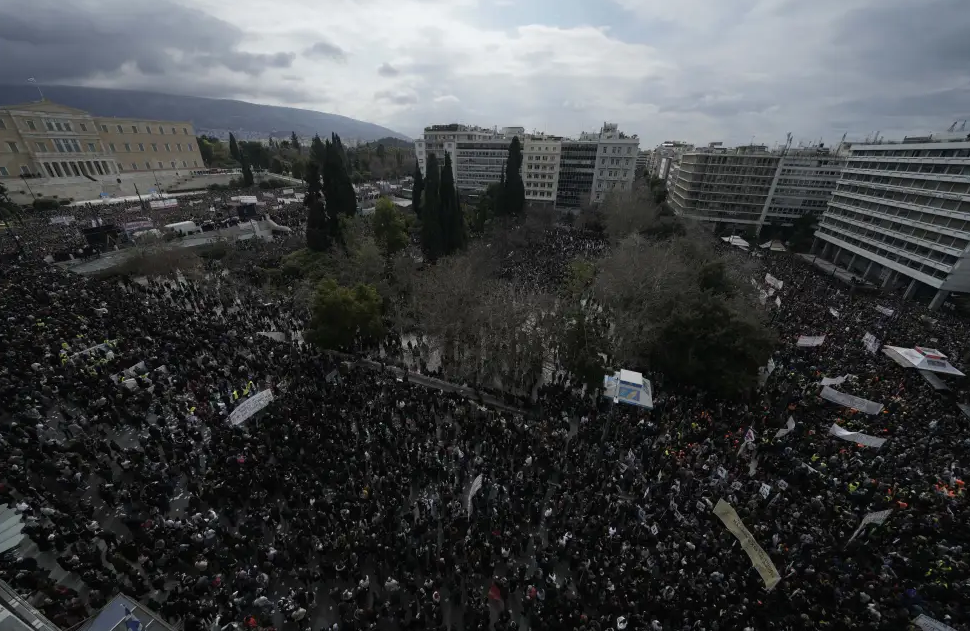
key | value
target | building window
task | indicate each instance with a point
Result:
(185, 164)
(173, 164)
(134, 129)
(173, 131)
(3, 171)
(91, 147)
(160, 165)
(30, 125)
(97, 165)
(168, 148)
(190, 146)
(74, 168)
(67, 126)
(58, 145)
(148, 165)
(155, 147)
(50, 172)
(83, 126)
(77, 145)
(178, 146)
(104, 128)
(161, 130)
(57, 169)
(3, 125)
(141, 146)
(13, 147)
(121, 167)
(148, 129)
(120, 130)
(195, 163)
(50, 125)
(24, 170)
(185, 130)
(41, 147)
(134, 167)
(111, 147)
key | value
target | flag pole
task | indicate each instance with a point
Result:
(36, 85)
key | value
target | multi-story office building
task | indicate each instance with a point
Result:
(577, 164)
(593, 166)
(480, 163)
(616, 155)
(900, 215)
(46, 141)
(643, 160)
(749, 187)
(540, 167)
(659, 160)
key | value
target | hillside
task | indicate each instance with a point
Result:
(244, 119)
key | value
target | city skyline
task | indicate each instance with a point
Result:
(698, 70)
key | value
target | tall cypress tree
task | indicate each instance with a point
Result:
(317, 233)
(233, 147)
(514, 197)
(337, 187)
(452, 222)
(417, 190)
(318, 153)
(431, 237)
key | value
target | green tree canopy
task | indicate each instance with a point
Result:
(453, 236)
(338, 191)
(295, 142)
(345, 318)
(390, 229)
(512, 202)
(247, 173)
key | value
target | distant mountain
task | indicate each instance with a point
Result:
(244, 119)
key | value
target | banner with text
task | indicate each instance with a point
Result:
(250, 406)
(856, 437)
(808, 341)
(759, 558)
(849, 401)
(872, 518)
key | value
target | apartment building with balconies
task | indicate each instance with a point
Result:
(540, 167)
(900, 215)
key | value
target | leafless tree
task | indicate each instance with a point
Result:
(630, 212)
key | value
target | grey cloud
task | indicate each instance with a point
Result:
(325, 50)
(74, 41)
(397, 97)
(387, 70)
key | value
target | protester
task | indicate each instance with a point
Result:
(347, 502)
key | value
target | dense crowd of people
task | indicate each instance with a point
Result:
(360, 500)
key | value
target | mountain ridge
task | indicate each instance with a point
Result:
(206, 114)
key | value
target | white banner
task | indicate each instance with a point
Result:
(475, 487)
(287, 191)
(164, 203)
(770, 367)
(777, 302)
(886, 311)
(872, 518)
(835, 381)
(834, 312)
(849, 401)
(773, 282)
(871, 343)
(250, 406)
(759, 558)
(856, 437)
(807, 341)
(926, 623)
(62, 220)
(99, 347)
(784, 431)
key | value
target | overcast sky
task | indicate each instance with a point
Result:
(695, 70)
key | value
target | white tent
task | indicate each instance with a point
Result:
(627, 386)
(736, 241)
(921, 358)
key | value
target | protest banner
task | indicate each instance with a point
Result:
(784, 431)
(872, 518)
(472, 491)
(250, 406)
(926, 623)
(871, 343)
(856, 437)
(773, 282)
(808, 341)
(849, 401)
(759, 558)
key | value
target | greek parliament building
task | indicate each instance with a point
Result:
(52, 150)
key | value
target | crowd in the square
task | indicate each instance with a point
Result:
(360, 500)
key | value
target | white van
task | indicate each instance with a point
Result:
(183, 228)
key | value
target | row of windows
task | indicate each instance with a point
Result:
(77, 168)
(539, 193)
(539, 176)
(915, 153)
(615, 150)
(614, 173)
(615, 161)
(906, 198)
(54, 124)
(926, 220)
(899, 235)
(959, 188)
(929, 270)
(71, 145)
(937, 169)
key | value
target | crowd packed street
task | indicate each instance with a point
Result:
(360, 500)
